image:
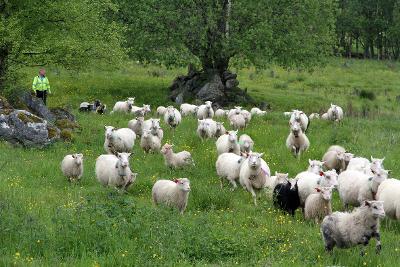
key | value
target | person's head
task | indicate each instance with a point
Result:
(42, 72)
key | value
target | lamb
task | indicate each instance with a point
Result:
(286, 198)
(124, 106)
(228, 167)
(205, 111)
(150, 142)
(118, 140)
(354, 187)
(228, 143)
(297, 141)
(237, 121)
(254, 174)
(136, 125)
(314, 116)
(318, 205)
(172, 193)
(246, 143)
(114, 170)
(300, 117)
(335, 113)
(278, 178)
(154, 126)
(161, 111)
(307, 182)
(172, 117)
(72, 167)
(141, 112)
(247, 116)
(388, 192)
(220, 113)
(188, 109)
(346, 230)
(257, 112)
(206, 128)
(220, 129)
(176, 160)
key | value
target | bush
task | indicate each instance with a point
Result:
(367, 95)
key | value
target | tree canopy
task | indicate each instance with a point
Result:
(218, 33)
(69, 33)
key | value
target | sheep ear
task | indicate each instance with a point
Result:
(236, 131)
(261, 155)
(73, 156)
(276, 173)
(309, 161)
(372, 159)
(367, 203)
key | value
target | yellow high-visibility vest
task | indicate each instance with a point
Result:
(41, 84)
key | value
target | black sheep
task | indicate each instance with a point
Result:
(285, 198)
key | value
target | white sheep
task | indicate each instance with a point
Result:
(334, 160)
(141, 111)
(325, 116)
(228, 167)
(254, 174)
(337, 148)
(307, 182)
(205, 111)
(220, 129)
(172, 117)
(150, 142)
(114, 170)
(354, 187)
(161, 111)
(246, 143)
(118, 140)
(228, 143)
(257, 112)
(314, 116)
(278, 178)
(318, 205)
(314, 167)
(188, 109)
(136, 125)
(154, 126)
(300, 117)
(297, 141)
(345, 230)
(364, 165)
(176, 160)
(235, 111)
(389, 193)
(172, 193)
(124, 106)
(72, 166)
(246, 115)
(206, 128)
(237, 121)
(335, 113)
(220, 113)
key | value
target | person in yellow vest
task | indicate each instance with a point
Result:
(41, 85)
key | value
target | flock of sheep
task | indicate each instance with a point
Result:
(360, 182)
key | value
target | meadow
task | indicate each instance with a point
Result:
(46, 221)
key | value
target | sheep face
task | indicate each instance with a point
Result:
(130, 101)
(238, 110)
(123, 159)
(208, 104)
(170, 114)
(380, 175)
(329, 178)
(376, 164)
(146, 134)
(139, 120)
(326, 192)
(220, 126)
(315, 166)
(295, 128)
(146, 108)
(255, 160)
(166, 148)
(155, 124)
(108, 131)
(183, 184)
(296, 114)
(78, 159)
(282, 178)
(232, 136)
(347, 157)
(375, 207)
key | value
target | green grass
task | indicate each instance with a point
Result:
(45, 221)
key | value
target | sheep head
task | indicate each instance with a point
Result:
(254, 160)
(78, 159)
(183, 184)
(375, 208)
(325, 191)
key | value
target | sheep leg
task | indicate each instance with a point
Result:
(233, 182)
(221, 182)
(377, 236)
(364, 242)
(251, 190)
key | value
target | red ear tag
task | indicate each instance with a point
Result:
(176, 181)
(321, 173)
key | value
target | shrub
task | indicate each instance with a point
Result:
(367, 95)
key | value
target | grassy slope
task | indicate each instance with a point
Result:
(46, 221)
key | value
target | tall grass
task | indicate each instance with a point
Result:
(46, 221)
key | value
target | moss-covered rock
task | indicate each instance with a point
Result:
(53, 132)
(27, 117)
(4, 104)
(67, 135)
(66, 124)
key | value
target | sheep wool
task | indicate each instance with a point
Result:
(228, 143)
(228, 167)
(72, 166)
(389, 193)
(172, 193)
(318, 205)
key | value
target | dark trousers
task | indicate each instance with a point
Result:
(42, 95)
